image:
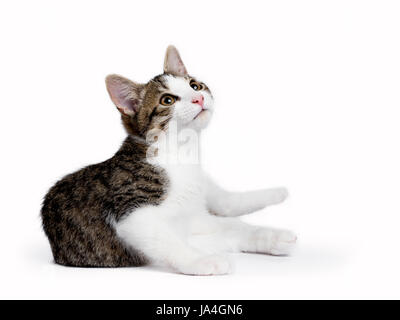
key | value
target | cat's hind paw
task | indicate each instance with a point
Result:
(208, 265)
(275, 242)
(283, 243)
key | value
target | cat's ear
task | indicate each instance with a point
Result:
(173, 63)
(124, 93)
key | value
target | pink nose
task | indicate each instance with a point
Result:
(199, 100)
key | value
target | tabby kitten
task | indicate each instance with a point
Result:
(152, 202)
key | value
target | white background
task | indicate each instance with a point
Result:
(307, 96)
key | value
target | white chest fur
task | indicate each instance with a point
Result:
(186, 189)
(178, 153)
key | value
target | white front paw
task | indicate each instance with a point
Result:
(275, 196)
(208, 265)
(282, 243)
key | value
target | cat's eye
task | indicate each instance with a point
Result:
(195, 85)
(167, 100)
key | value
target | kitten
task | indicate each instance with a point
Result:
(152, 202)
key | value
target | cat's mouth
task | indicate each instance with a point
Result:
(200, 113)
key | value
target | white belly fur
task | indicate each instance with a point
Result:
(182, 214)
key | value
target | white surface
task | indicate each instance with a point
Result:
(307, 96)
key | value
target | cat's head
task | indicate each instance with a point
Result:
(171, 96)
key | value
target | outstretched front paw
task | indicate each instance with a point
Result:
(208, 265)
(276, 195)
